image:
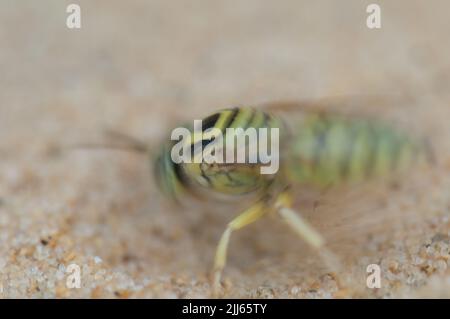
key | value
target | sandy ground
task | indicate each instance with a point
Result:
(141, 66)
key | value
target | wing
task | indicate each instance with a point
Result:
(362, 105)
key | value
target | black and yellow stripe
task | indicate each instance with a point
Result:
(175, 179)
(239, 117)
(325, 149)
(231, 178)
(328, 149)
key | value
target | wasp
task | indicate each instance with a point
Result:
(318, 149)
(321, 149)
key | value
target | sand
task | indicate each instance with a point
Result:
(140, 67)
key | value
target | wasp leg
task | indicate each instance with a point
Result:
(306, 232)
(249, 216)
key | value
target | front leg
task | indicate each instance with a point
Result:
(249, 216)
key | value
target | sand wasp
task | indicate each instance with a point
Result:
(321, 149)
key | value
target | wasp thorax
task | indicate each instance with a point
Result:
(234, 151)
(234, 146)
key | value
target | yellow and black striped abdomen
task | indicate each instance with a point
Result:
(329, 149)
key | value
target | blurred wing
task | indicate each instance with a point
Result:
(355, 216)
(350, 105)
